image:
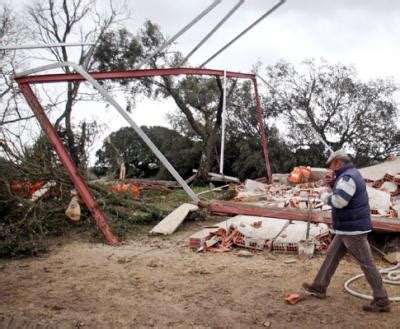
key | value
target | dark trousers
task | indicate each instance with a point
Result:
(359, 247)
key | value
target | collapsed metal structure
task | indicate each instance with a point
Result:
(25, 80)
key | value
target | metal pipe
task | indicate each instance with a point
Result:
(177, 35)
(317, 135)
(46, 46)
(216, 27)
(221, 162)
(137, 129)
(244, 31)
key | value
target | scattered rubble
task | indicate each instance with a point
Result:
(302, 196)
(383, 189)
(286, 206)
(259, 233)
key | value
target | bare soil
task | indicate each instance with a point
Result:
(159, 282)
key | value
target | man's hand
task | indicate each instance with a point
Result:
(330, 178)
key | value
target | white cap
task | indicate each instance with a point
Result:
(338, 155)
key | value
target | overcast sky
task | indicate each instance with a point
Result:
(361, 32)
(364, 33)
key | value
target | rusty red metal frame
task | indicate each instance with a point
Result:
(131, 74)
(83, 190)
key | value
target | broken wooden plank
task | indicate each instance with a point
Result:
(170, 223)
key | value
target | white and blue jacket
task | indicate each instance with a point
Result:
(349, 202)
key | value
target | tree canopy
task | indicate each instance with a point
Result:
(63, 22)
(345, 111)
(139, 161)
(199, 99)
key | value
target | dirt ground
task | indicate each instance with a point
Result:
(159, 282)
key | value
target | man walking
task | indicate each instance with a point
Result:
(352, 222)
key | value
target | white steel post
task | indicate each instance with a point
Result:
(221, 163)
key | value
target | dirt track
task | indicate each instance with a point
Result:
(159, 282)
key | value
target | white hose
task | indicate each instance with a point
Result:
(393, 274)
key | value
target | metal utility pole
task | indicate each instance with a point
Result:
(221, 162)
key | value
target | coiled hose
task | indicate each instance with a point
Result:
(393, 277)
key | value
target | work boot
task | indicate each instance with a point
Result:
(311, 290)
(377, 307)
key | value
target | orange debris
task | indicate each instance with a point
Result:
(127, 188)
(293, 299)
(26, 189)
(300, 175)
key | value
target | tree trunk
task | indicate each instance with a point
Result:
(209, 143)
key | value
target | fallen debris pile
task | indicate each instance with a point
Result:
(301, 202)
(384, 187)
(259, 233)
(383, 190)
(302, 196)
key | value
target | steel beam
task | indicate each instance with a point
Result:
(23, 77)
